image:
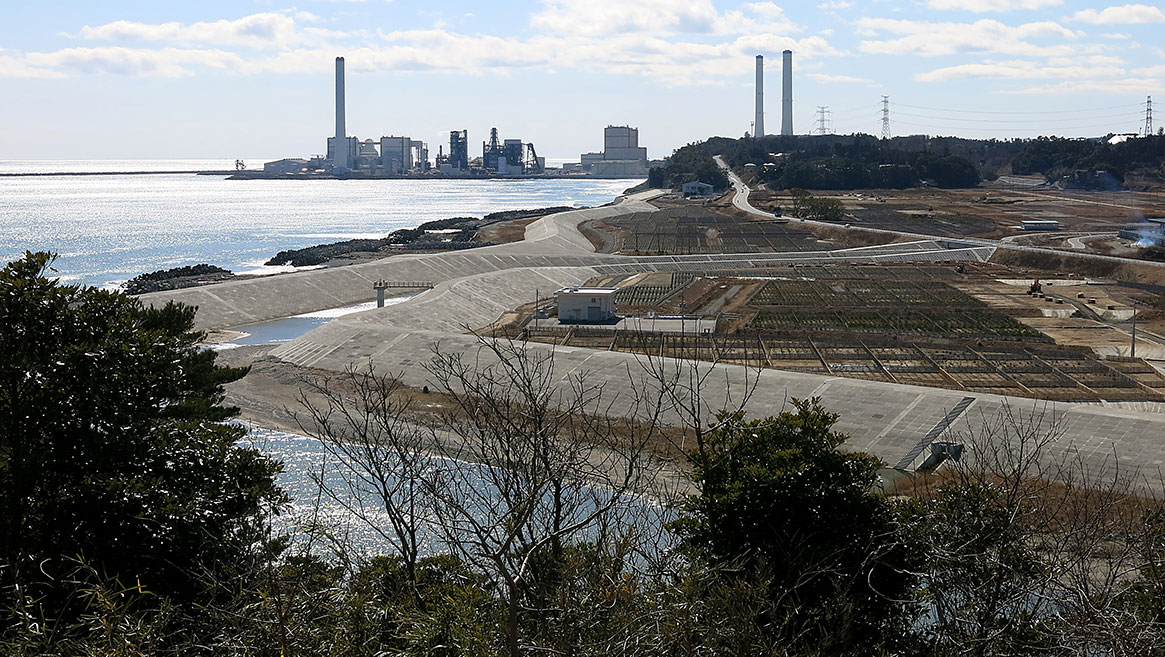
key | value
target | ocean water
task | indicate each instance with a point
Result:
(353, 515)
(106, 166)
(109, 228)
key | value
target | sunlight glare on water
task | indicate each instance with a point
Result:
(110, 228)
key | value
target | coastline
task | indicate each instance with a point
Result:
(492, 229)
(270, 394)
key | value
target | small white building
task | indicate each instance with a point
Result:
(586, 304)
(697, 188)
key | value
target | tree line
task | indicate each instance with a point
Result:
(843, 162)
(528, 511)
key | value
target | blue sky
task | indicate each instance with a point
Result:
(253, 78)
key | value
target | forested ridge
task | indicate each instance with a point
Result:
(866, 162)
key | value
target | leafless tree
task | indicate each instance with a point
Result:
(557, 459)
(1031, 548)
(361, 418)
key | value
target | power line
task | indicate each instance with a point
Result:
(1071, 111)
(1090, 128)
(959, 119)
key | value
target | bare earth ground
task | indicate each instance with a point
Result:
(504, 232)
(988, 211)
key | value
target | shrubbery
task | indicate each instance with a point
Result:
(134, 524)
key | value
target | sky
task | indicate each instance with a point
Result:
(253, 78)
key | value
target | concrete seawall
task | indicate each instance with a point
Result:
(552, 241)
(891, 421)
(895, 422)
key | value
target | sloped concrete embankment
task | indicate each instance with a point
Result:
(894, 422)
(553, 241)
(451, 308)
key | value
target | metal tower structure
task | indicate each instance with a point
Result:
(491, 151)
(1148, 115)
(885, 117)
(823, 120)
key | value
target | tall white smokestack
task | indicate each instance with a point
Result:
(340, 151)
(341, 131)
(787, 93)
(758, 127)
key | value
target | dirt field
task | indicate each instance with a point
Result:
(504, 232)
(977, 327)
(991, 210)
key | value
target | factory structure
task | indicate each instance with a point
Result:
(393, 156)
(758, 122)
(621, 157)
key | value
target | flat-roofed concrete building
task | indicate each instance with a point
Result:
(622, 156)
(586, 304)
(396, 154)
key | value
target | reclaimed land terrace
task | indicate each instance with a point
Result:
(893, 421)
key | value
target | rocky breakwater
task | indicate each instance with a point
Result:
(440, 235)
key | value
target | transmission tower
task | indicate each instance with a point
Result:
(885, 117)
(1148, 116)
(823, 120)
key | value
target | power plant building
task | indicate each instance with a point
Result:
(510, 157)
(342, 151)
(622, 156)
(400, 155)
(396, 154)
(457, 161)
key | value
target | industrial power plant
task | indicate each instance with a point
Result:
(401, 156)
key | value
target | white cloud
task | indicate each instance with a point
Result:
(659, 17)
(825, 78)
(1020, 70)
(1152, 71)
(167, 62)
(931, 39)
(1124, 14)
(997, 6)
(1120, 86)
(16, 67)
(1115, 36)
(835, 4)
(652, 43)
(262, 30)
